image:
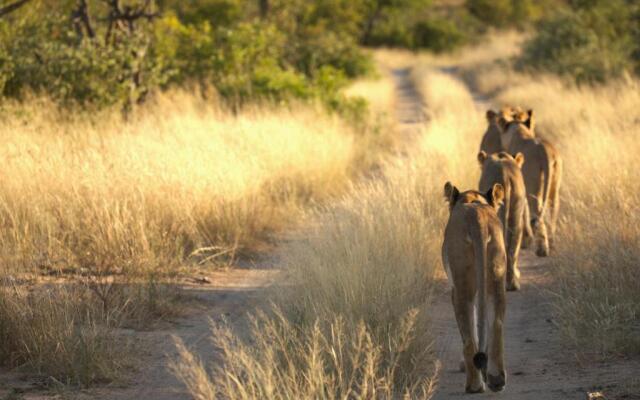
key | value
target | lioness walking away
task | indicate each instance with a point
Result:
(474, 258)
(504, 169)
(491, 140)
(542, 173)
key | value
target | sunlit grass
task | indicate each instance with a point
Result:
(151, 191)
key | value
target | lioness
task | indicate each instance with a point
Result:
(491, 141)
(542, 173)
(504, 169)
(474, 258)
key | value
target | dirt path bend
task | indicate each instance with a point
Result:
(539, 366)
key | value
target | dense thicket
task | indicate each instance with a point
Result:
(589, 40)
(114, 52)
(108, 52)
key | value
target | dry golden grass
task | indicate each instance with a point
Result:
(120, 205)
(329, 360)
(183, 181)
(596, 130)
(61, 332)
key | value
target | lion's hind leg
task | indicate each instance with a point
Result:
(465, 316)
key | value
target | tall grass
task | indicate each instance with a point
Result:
(321, 362)
(184, 180)
(61, 332)
(595, 267)
(358, 282)
(119, 205)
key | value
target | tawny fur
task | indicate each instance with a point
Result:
(542, 173)
(474, 255)
(491, 141)
(504, 169)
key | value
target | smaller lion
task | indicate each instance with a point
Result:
(504, 169)
(474, 257)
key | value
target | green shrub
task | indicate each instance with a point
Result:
(492, 12)
(216, 43)
(214, 12)
(438, 35)
(592, 42)
(49, 57)
(510, 13)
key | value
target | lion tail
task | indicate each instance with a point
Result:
(480, 237)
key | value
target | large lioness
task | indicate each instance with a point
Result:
(474, 258)
(542, 173)
(504, 169)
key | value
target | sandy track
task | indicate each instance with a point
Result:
(230, 295)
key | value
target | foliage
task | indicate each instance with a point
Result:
(591, 42)
(438, 35)
(49, 55)
(509, 13)
(221, 43)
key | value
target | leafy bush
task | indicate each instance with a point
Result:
(217, 42)
(493, 12)
(48, 56)
(438, 35)
(591, 43)
(509, 13)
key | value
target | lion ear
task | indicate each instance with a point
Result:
(491, 115)
(495, 195)
(482, 156)
(530, 121)
(451, 193)
(519, 157)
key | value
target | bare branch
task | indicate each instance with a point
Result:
(81, 18)
(12, 7)
(124, 18)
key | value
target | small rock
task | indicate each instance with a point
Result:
(595, 396)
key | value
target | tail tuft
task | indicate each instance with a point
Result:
(480, 361)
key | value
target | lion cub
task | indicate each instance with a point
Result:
(504, 169)
(474, 258)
